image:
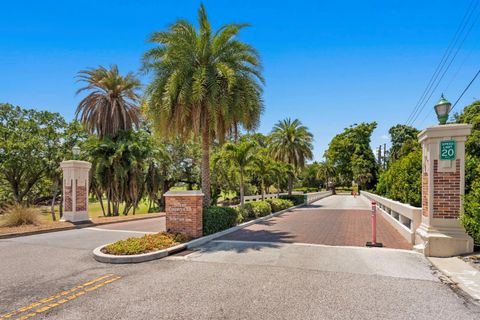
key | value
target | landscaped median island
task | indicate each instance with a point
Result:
(146, 244)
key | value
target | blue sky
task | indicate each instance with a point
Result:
(328, 63)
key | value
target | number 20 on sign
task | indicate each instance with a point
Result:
(448, 150)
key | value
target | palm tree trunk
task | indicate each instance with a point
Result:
(235, 132)
(290, 184)
(242, 192)
(60, 206)
(52, 207)
(206, 161)
(263, 190)
(100, 199)
(278, 189)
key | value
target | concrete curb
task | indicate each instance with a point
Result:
(137, 258)
(78, 226)
(461, 274)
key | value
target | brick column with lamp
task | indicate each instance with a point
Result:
(441, 233)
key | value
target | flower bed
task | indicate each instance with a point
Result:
(147, 243)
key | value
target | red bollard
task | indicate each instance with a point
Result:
(374, 242)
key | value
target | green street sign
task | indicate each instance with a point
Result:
(448, 150)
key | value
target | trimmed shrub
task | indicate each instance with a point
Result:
(145, 244)
(17, 215)
(257, 209)
(306, 189)
(295, 198)
(279, 204)
(216, 219)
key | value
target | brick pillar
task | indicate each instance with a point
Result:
(443, 181)
(75, 190)
(184, 212)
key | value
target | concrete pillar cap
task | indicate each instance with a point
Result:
(184, 193)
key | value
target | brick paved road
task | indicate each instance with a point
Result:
(339, 220)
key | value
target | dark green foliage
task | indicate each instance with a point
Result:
(402, 181)
(32, 145)
(401, 137)
(121, 166)
(471, 216)
(216, 219)
(306, 189)
(310, 178)
(295, 198)
(257, 209)
(279, 204)
(350, 154)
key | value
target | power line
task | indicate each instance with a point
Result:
(465, 90)
(461, 95)
(448, 66)
(458, 35)
(441, 63)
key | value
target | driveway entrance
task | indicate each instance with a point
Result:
(339, 220)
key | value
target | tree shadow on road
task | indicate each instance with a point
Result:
(246, 240)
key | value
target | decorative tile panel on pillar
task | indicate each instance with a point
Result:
(443, 181)
(75, 190)
(184, 212)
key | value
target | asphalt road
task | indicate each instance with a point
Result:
(53, 276)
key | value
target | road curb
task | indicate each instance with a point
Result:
(99, 256)
(79, 226)
(135, 258)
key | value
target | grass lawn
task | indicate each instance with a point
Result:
(94, 210)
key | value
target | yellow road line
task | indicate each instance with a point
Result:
(56, 296)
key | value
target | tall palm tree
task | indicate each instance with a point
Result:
(204, 83)
(291, 142)
(111, 105)
(241, 155)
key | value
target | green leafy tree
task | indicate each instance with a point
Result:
(291, 142)
(471, 215)
(402, 180)
(326, 172)
(120, 166)
(401, 137)
(310, 177)
(350, 154)
(241, 155)
(264, 168)
(204, 84)
(111, 105)
(30, 146)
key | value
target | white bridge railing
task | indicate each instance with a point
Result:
(315, 196)
(309, 197)
(403, 217)
(268, 196)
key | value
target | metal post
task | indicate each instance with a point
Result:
(374, 242)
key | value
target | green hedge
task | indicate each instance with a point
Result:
(216, 219)
(257, 209)
(279, 204)
(295, 198)
(306, 189)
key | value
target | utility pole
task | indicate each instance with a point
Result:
(379, 154)
(384, 156)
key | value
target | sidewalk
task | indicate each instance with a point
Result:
(461, 273)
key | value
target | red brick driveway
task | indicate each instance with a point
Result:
(339, 220)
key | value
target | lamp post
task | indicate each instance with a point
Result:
(442, 109)
(76, 152)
